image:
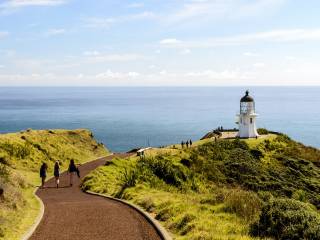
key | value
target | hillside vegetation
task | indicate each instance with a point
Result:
(21, 155)
(267, 188)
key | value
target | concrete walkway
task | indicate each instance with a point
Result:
(73, 214)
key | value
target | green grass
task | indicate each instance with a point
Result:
(29, 210)
(253, 142)
(22, 154)
(215, 190)
(191, 215)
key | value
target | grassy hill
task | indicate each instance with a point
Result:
(21, 155)
(266, 188)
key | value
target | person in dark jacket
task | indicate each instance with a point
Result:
(56, 173)
(72, 170)
(190, 143)
(43, 173)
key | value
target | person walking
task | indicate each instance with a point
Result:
(182, 144)
(43, 173)
(72, 170)
(190, 143)
(187, 143)
(56, 173)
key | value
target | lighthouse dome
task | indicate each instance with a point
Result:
(247, 98)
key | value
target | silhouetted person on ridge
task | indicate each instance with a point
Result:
(56, 173)
(182, 144)
(43, 173)
(190, 142)
(187, 143)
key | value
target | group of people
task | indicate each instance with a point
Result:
(188, 143)
(72, 170)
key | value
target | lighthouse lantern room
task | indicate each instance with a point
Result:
(247, 118)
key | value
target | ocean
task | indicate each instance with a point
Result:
(127, 117)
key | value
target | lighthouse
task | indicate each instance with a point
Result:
(247, 118)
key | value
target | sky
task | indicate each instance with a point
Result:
(159, 43)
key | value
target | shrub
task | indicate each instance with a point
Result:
(185, 162)
(164, 214)
(4, 160)
(128, 178)
(257, 154)
(300, 195)
(287, 219)
(262, 131)
(164, 169)
(245, 204)
(183, 223)
(16, 150)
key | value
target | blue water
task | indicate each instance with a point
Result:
(124, 118)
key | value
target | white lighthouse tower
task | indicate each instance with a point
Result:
(247, 118)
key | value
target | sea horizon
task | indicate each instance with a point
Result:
(128, 117)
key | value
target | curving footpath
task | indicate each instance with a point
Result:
(72, 214)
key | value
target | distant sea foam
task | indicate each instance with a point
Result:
(124, 118)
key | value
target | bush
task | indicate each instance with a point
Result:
(262, 131)
(164, 169)
(245, 204)
(183, 224)
(4, 160)
(128, 178)
(287, 219)
(257, 154)
(16, 150)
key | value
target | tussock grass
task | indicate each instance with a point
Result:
(21, 155)
(216, 190)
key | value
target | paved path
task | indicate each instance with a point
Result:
(72, 214)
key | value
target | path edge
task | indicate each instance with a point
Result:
(34, 226)
(36, 223)
(160, 230)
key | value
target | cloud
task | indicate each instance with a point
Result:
(251, 54)
(12, 6)
(170, 41)
(95, 56)
(91, 53)
(222, 75)
(3, 34)
(259, 65)
(199, 10)
(116, 75)
(105, 23)
(136, 5)
(27, 3)
(291, 58)
(210, 77)
(275, 36)
(185, 51)
(8, 53)
(99, 22)
(55, 31)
